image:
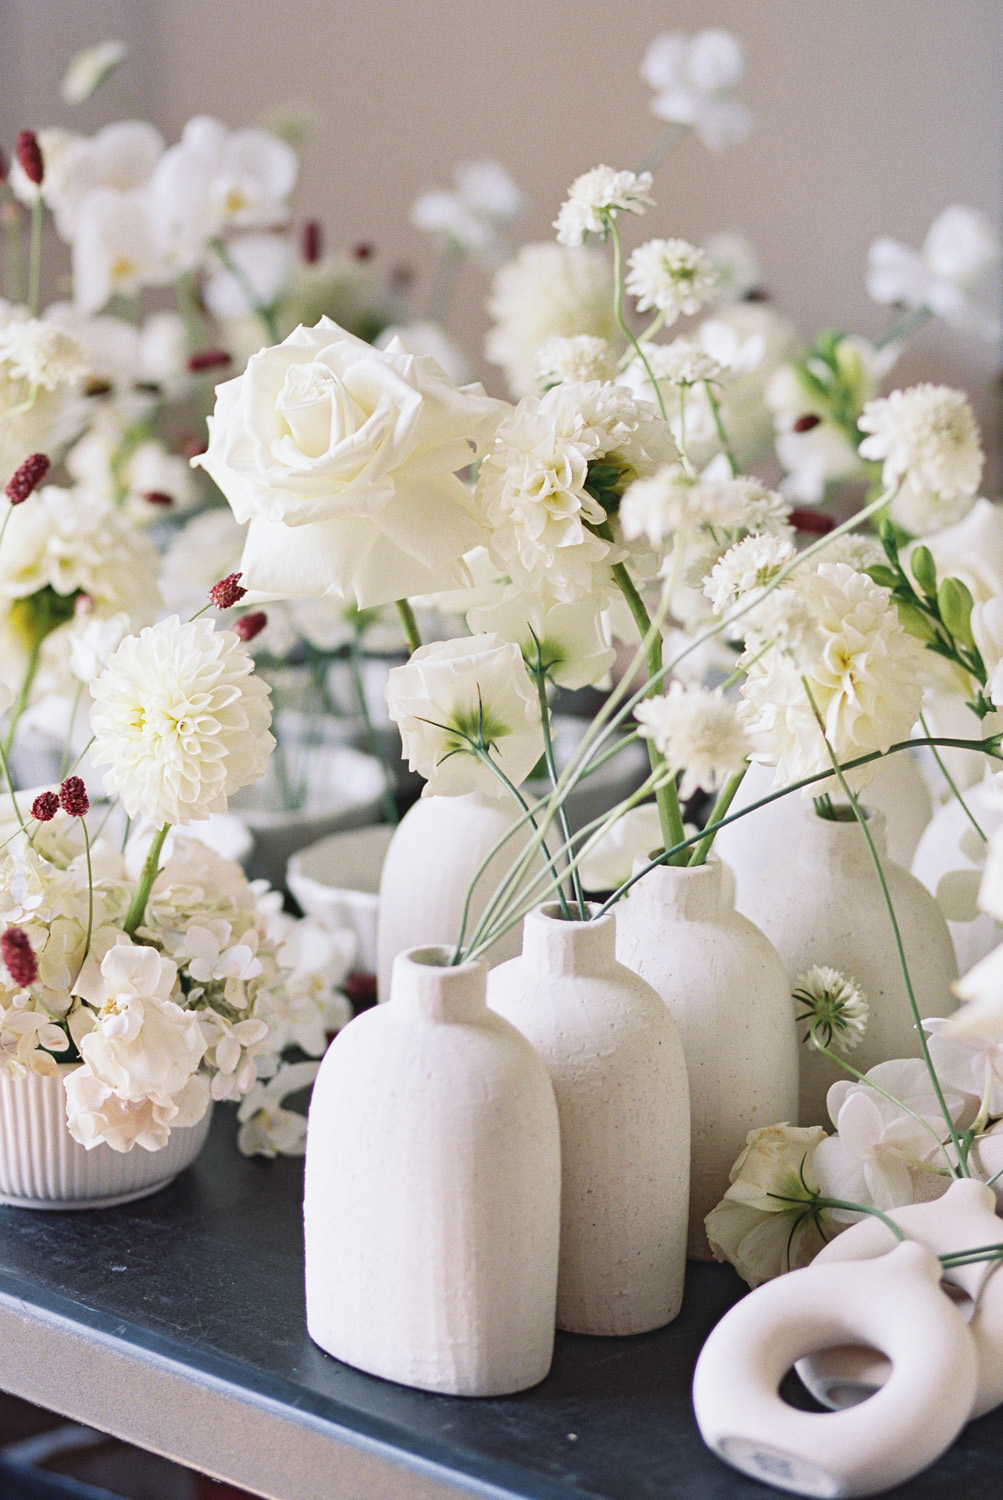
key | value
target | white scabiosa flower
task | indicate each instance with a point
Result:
(671, 501)
(454, 696)
(834, 1008)
(698, 731)
(927, 442)
(595, 197)
(41, 353)
(546, 291)
(845, 640)
(693, 77)
(747, 568)
(581, 357)
(683, 362)
(671, 275)
(180, 721)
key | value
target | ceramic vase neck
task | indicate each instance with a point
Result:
(556, 946)
(844, 841)
(698, 894)
(425, 983)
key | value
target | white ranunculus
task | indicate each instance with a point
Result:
(477, 687)
(344, 460)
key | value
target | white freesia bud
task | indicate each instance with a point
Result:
(454, 695)
(89, 68)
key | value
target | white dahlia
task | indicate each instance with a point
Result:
(581, 357)
(180, 721)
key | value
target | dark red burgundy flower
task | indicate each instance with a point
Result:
(248, 626)
(18, 954)
(45, 806)
(27, 478)
(73, 797)
(227, 592)
(29, 155)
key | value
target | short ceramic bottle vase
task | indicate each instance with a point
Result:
(433, 1190)
(616, 1063)
(824, 905)
(433, 856)
(728, 993)
(893, 1304)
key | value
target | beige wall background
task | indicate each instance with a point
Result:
(871, 116)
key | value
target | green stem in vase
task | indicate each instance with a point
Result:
(409, 624)
(540, 678)
(725, 798)
(151, 869)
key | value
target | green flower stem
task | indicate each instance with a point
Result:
(90, 897)
(34, 655)
(35, 254)
(562, 813)
(496, 848)
(722, 436)
(726, 797)
(510, 786)
(388, 801)
(13, 262)
(444, 279)
(952, 1258)
(151, 869)
(65, 762)
(863, 1208)
(905, 327)
(669, 813)
(409, 623)
(190, 311)
(896, 933)
(265, 315)
(10, 787)
(951, 782)
(663, 146)
(625, 329)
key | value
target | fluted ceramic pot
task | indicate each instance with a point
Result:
(616, 1063)
(433, 1180)
(824, 905)
(42, 1166)
(728, 993)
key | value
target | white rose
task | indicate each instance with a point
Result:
(143, 1046)
(452, 691)
(344, 459)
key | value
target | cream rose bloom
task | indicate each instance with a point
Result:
(344, 460)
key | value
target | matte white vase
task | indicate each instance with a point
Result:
(823, 905)
(42, 1166)
(433, 1190)
(433, 856)
(730, 997)
(616, 1063)
(950, 860)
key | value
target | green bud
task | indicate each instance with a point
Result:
(924, 569)
(955, 604)
(914, 621)
(886, 577)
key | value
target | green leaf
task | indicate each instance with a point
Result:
(924, 569)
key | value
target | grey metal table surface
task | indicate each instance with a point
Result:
(178, 1324)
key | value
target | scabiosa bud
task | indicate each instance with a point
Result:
(157, 497)
(807, 423)
(73, 797)
(18, 955)
(311, 242)
(29, 155)
(208, 359)
(45, 806)
(27, 478)
(227, 592)
(248, 626)
(363, 250)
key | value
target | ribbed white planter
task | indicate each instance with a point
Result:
(42, 1166)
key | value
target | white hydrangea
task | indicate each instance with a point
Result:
(697, 731)
(747, 567)
(595, 196)
(671, 275)
(861, 667)
(546, 291)
(693, 77)
(266, 1129)
(579, 357)
(180, 721)
(927, 441)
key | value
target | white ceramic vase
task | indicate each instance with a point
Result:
(950, 860)
(42, 1166)
(433, 856)
(433, 1190)
(337, 880)
(616, 1063)
(729, 995)
(823, 905)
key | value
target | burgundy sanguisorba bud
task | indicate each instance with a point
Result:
(29, 156)
(208, 359)
(27, 478)
(19, 956)
(4, 168)
(807, 422)
(73, 797)
(45, 806)
(227, 592)
(248, 626)
(311, 242)
(158, 497)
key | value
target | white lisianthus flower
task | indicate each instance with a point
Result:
(952, 274)
(595, 197)
(96, 1115)
(572, 641)
(927, 441)
(41, 353)
(344, 459)
(453, 692)
(835, 1007)
(581, 357)
(485, 198)
(89, 68)
(671, 275)
(546, 291)
(692, 78)
(610, 860)
(768, 1221)
(180, 721)
(861, 667)
(697, 731)
(266, 1129)
(971, 550)
(746, 568)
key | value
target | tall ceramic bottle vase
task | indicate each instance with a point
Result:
(825, 906)
(433, 1190)
(433, 856)
(616, 1063)
(728, 993)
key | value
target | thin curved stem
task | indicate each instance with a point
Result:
(726, 797)
(952, 784)
(722, 436)
(409, 624)
(625, 328)
(540, 678)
